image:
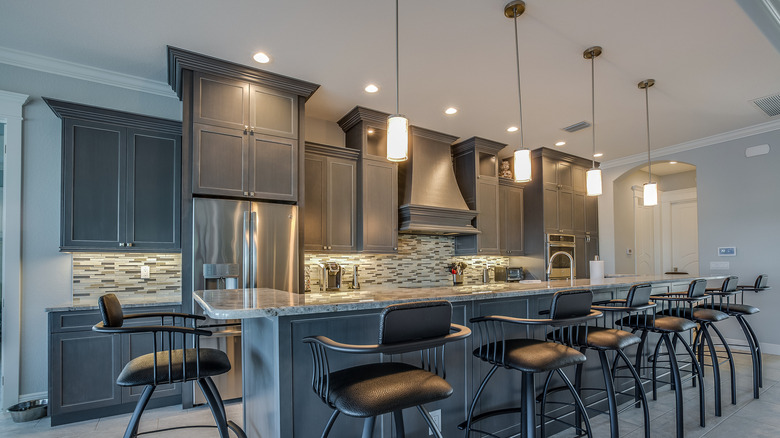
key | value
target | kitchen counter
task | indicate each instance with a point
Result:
(254, 303)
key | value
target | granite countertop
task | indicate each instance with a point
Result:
(136, 302)
(255, 303)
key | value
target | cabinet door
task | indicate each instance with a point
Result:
(581, 256)
(135, 345)
(219, 161)
(487, 221)
(314, 216)
(94, 178)
(550, 205)
(273, 168)
(273, 112)
(83, 367)
(379, 215)
(566, 211)
(578, 180)
(220, 101)
(592, 249)
(578, 212)
(592, 214)
(511, 221)
(341, 204)
(153, 190)
(549, 172)
(564, 172)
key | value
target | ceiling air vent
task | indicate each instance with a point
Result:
(577, 126)
(770, 105)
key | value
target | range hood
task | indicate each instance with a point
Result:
(430, 200)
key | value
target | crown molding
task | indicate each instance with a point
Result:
(11, 104)
(80, 71)
(736, 134)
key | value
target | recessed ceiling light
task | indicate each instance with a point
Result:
(370, 131)
(450, 111)
(560, 143)
(598, 155)
(672, 162)
(261, 57)
(371, 88)
(511, 129)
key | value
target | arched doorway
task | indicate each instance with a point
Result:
(661, 238)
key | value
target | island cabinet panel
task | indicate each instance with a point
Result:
(121, 179)
(84, 366)
(511, 223)
(245, 140)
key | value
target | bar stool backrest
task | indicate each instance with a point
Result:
(697, 288)
(414, 321)
(639, 295)
(761, 281)
(111, 311)
(571, 303)
(730, 284)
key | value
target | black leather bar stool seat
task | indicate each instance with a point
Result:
(533, 355)
(661, 324)
(374, 389)
(370, 390)
(697, 314)
(168, 364)
(603, 338)
(735, 309)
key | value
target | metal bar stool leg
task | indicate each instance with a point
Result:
(398, 416)
(135, 420)
(368, 427)
(577, 400)
(678, 396)
(638, 367)
(655, 364)
(476, 397)
(543, 406)
(428, 419)
(715, 370)
(528, 406)
(214, 406)
(697, 370)
(752, 347)
(758, 355)
(610, 388)
(638, 385)
(329, 426)
(732, 368)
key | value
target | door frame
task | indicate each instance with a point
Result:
(666, 200)
(11, 114)
(639, 196)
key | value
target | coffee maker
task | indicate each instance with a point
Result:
(331, 276)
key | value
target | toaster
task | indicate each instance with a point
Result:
(514, 274)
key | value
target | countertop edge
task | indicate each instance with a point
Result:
(72, 307)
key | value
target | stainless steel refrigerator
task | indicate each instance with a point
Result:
(241, 244)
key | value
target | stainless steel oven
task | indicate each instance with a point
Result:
(562, 266)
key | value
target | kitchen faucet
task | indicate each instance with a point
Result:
(571, 264)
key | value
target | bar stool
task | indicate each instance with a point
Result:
(168, 365)
(604, 339)
(669, 328)
(681, 304)
(570, 309)
(727, 302)
(367, 391)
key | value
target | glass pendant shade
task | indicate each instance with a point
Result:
(593, 178)
(522, 165)
(397, 138)
(650, 194)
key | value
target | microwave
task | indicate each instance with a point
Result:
(514, 274)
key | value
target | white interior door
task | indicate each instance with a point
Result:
(684, 237)
(644, 238)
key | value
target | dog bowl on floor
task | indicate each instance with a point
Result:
(29, 410)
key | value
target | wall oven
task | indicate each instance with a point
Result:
(561, 266)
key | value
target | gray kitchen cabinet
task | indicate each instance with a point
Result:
(476, 171)
(331, 199)
(245, 139)
(510, 216)
(84, 366)
(592, 215)
(578, 212)
(120, 180)
(377, 193)
(586, 249)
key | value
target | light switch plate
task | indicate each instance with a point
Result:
(719, 266)
(145, 271)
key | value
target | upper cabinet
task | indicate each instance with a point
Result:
(377, 189)
(510, 217)
(121, 176)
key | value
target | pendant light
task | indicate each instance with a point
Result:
(650, 196)
(522, 156)
(593, 176)
(397, 124)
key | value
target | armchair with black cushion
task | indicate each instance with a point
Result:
(370, 390)
(170, 362)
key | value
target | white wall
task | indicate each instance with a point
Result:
(738, 205)
(46, 277)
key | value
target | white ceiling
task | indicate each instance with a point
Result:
(708, 58)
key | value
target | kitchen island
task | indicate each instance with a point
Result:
(278, 400)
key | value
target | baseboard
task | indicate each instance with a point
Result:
(33, 396)
(741, 345)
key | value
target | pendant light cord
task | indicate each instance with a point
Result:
(396, 59)
(593, 103)
(519, 93)
(647, 113)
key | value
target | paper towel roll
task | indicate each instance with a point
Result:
(597, 269)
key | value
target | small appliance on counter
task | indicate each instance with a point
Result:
(456, 269)
(499, 273)
(355, 280)
(597, 269)
(515, 274)
(331, 276)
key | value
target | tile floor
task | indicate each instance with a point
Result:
(749, 418)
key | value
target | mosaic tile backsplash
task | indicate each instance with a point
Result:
(421, 261)
(95, 274)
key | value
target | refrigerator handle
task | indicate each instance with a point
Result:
(253, 243)
(246, 263)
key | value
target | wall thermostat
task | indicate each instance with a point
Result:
(727, 251)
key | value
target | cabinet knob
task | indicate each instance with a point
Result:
(246, 193)
(129, 244)
(395, 249)
(252, 130)
(251, 193)
(480, 250)
(324, 247)
(121, 244)
(246, 128)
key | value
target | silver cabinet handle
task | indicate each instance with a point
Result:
(246, 128)
(252, 130)
(324, 247)
(121, 244)
(251, 193)
(246, 193)
(395, 249)
(129, 244)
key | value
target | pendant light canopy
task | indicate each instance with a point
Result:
(593, 176)
(650, 195)
(522, 156)
(397, 124)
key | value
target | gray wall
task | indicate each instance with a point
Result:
(46, 273)
(738, 205)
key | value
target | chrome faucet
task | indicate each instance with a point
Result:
(571, 264)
